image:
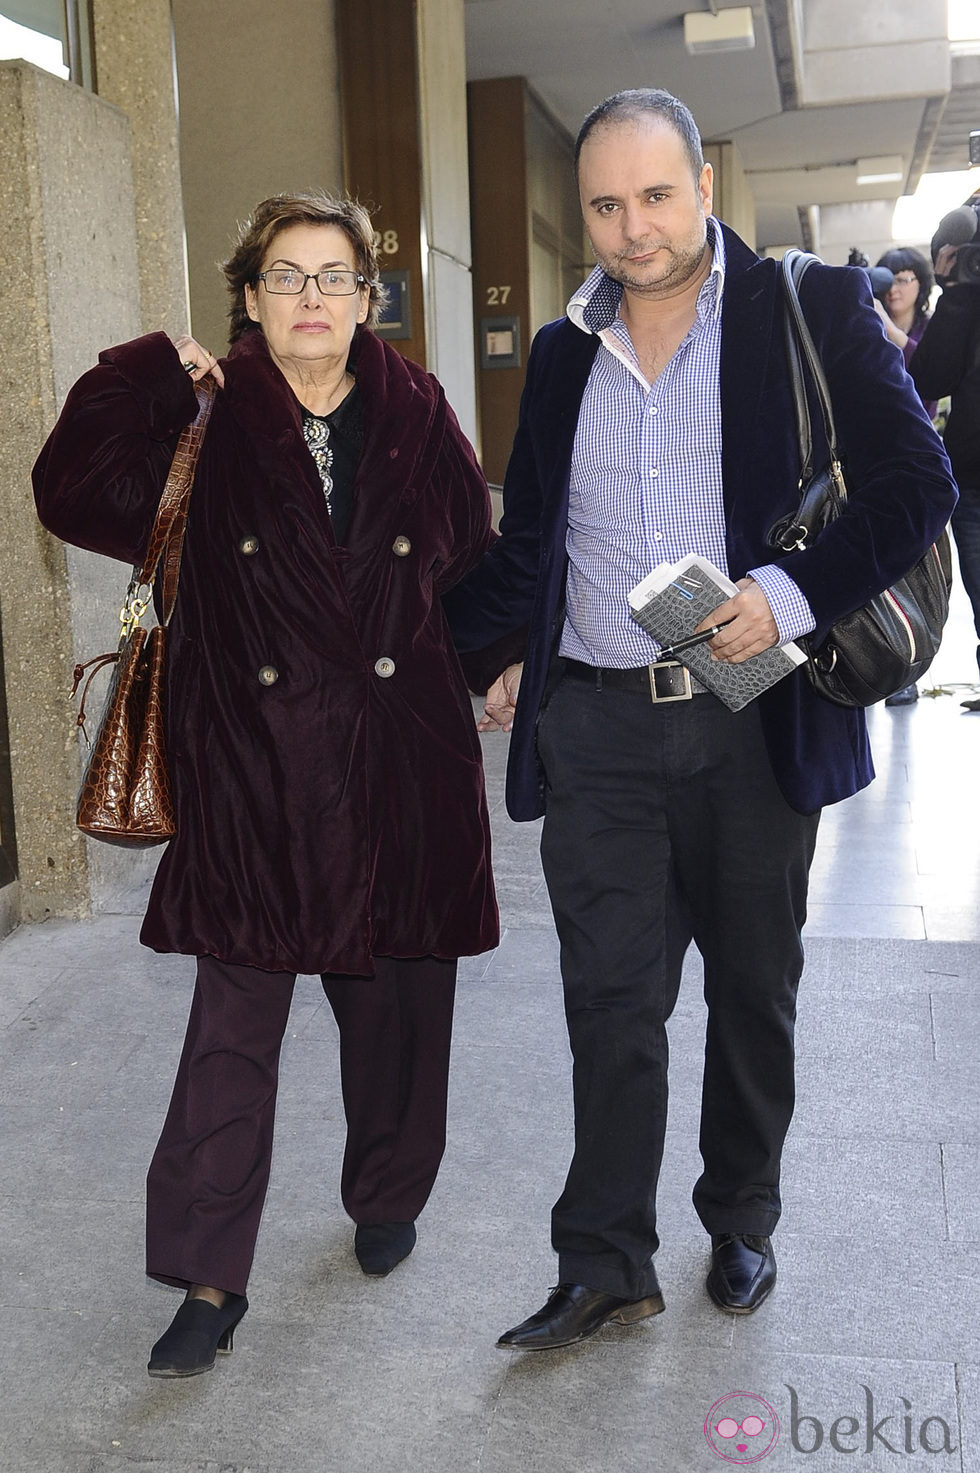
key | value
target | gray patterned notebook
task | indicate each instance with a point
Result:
(674, 599)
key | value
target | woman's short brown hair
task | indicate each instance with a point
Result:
(313, 207)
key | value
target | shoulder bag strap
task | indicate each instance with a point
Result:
(795, 365)
(167, 535)
(793, 268)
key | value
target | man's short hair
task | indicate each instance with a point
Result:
(642, 102)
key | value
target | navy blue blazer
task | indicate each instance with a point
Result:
(901, 495)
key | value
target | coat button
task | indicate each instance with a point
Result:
(384, 667)
(268, 675)
(401, 547)
(249, 545)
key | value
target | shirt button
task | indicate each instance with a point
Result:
(268, 675)
(384, 667)
(401, 547)
(658, 537)
(248, 545)
(654, 472)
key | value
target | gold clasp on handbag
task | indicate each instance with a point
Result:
(133, 610)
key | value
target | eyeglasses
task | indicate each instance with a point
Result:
(906, 278)
(287, 281)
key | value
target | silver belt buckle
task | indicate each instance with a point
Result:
(669, 681)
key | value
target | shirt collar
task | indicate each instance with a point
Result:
(596, 304)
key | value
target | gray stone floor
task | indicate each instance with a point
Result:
(869, 1345)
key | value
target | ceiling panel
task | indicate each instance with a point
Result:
(576, 52)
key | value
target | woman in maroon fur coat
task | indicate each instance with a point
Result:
(327, 775)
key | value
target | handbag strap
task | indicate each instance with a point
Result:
(167, 533)
(793, 268)
(792, 533)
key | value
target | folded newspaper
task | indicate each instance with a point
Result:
(675, 598)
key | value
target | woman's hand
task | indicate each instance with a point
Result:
(198, 361)
(501, 701)
(895, 334)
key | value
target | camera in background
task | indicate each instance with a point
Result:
(880, 277)
(961, 228)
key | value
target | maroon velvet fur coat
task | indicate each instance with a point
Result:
(337, 812)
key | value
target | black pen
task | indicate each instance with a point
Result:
(688, 644)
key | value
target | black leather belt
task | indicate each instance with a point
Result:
(668, 680)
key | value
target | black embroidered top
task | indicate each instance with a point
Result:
(335, 442)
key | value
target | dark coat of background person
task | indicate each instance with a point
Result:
(896, 470)
(337, 812)
(947, 362)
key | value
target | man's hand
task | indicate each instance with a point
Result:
(752, 629)
(501, 701)
(197, 360)
(945, 261)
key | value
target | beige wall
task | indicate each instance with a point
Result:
(134, 65)
(560, 253)
(256, 119)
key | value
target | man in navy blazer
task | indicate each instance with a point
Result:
(657, 420)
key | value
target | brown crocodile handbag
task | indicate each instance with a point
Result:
(125, 796)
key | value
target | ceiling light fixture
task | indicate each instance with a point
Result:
(725, 30)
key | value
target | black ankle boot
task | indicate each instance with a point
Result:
(378, 1246)
(198, 1332)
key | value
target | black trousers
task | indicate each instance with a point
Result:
(207, 1181)
(664, 823)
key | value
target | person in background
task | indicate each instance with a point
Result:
(905, 310)
(905, 313)
(327, 776)
(947, 361)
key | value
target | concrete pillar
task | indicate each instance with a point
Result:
(68, 241)
(447, 259)
(867, 226)
(733, 200)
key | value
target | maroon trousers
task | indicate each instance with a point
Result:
(207, 1181)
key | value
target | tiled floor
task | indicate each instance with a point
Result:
(868, 1347)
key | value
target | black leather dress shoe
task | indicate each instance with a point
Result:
(379, 1246)
(743, 1271)
(574, 1312)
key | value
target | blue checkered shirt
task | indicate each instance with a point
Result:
(645, 482)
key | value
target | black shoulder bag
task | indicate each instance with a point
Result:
(891, 641)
